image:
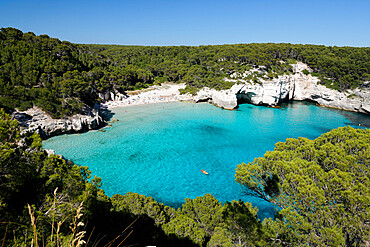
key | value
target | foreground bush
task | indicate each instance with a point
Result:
(322, 188)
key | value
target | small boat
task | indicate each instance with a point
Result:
(204, 171)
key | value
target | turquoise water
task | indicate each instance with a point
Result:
(159, 150)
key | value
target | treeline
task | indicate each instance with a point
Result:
(321, 188)
(64, 78)
(60, 77)
(338, 67)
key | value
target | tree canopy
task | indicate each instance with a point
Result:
(322, 187)
(60, 77)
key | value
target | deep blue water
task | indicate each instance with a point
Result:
(159, 150)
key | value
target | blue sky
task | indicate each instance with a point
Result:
(193, 22)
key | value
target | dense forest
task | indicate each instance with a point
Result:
(338, 67)
(60, 77)
(321, 188)
(64, 78)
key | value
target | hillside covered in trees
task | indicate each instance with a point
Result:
(321, 188)
(60, 77)
(338, 67)
(63, 78)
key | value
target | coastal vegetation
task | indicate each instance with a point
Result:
(64, 78)
(320, 188)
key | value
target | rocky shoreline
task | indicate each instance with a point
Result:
(36, 120)
(295, 87)
(273, 92)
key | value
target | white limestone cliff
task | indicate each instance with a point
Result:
(297, 86)
(224, 98)
(36, 120)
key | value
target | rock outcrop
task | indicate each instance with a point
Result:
(115, 95)
(298, 86)
(225, 98)
(36, 120)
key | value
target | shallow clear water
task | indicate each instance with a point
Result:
(159, 150)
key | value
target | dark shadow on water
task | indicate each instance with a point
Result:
(134, 156)
(295, 104)
(268, 211)
(106, 113)
(175, 205)
(322, 129)
(354, 118)
(210, 129)
(357, 119)
(265, 209)
(283, 106)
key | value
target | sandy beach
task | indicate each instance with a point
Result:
(155, 94)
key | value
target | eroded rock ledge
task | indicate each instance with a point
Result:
(298, 86)
(36, 120)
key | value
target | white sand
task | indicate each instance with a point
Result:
(164, 93)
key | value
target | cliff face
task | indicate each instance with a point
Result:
(297, 86)
(36, 120)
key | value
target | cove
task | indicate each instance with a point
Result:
(159, 149)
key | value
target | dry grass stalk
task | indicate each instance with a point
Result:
(33, 224)
(123, 232)
(77, 236)
(15, 238)
(6, 231)
(53, 218)
(58, 229)
(74, 240)
(125, 238)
